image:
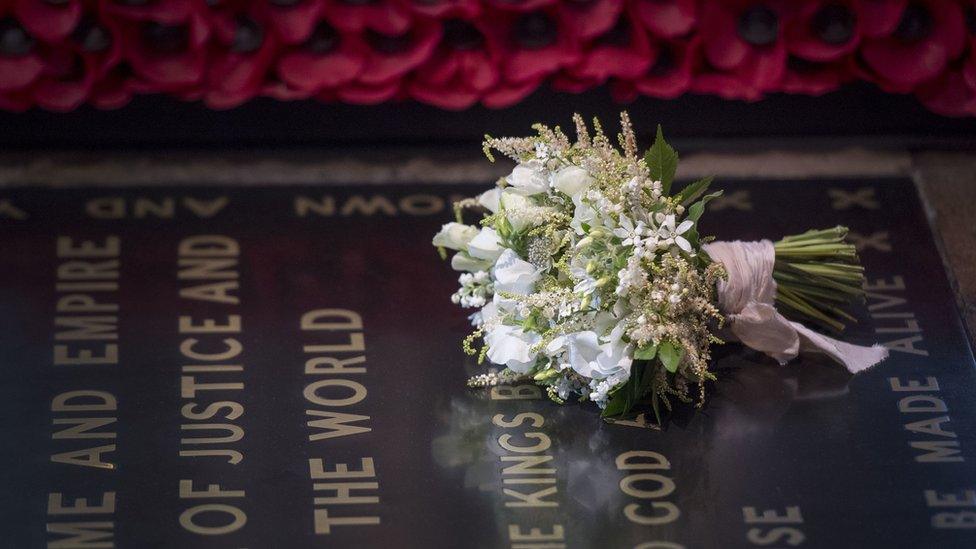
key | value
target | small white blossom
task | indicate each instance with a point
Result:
(541, 151)
(476, 289)
(670, 235)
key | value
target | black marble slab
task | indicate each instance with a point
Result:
(191, 436)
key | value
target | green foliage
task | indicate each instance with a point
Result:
(693, 191)
(698, 208)
(662, 161)
(647, 352)
(670, 355)
(626, 397)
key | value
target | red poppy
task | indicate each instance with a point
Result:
(669, 76)
(930, 33)
(50, 21)
(383, 16)
(283, 91)
(242, 51)
(21, 55)
(506, 94)
(327, 59)
(742, 41)
(879, 17)
(390, 57)
(67, 79)
(114, 89)
(825, 30)
(591, 18)
(170, 56)
(622, 52)
(534, 44)
(465, 9)
(293, 20)
(462, 68)
(72, 72)
(949, 95)
(667, 18)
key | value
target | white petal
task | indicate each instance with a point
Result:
(571, 180)
(490, 199)
(512, 347)
(455, 236)
(529, 178)
(514, 275)
(463, 262)
(685, 225)
(486, 245)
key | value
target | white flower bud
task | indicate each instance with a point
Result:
(571, 180)
(455, 236)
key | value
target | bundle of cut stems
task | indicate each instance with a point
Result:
(818, 274)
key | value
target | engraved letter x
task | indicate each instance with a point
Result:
(843, 200)
(878, 240)
(738, 200)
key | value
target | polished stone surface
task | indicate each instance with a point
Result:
(842, 461)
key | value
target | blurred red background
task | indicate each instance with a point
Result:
(454, 54)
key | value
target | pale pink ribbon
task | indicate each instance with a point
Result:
(746, 299)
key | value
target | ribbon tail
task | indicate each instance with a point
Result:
(856, 358)
(760, 327)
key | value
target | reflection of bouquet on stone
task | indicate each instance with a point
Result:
(591, 278)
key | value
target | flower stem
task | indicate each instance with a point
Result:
(818, 273)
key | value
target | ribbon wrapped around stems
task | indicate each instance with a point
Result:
(747, 297)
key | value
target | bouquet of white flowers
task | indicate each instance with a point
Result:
(591, 278)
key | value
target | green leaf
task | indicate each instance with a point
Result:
(694, 190)
(625, 397)
(662, 161)
(656, 407)
(647, 352)
(618, 404)
(670, 355)
(698, 208)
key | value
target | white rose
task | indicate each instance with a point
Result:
(464, 262)
(514, 275)
(455, 236)
(490, 199)
(485, 245)
(529, 178)
(510, 346)
(572, 180)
